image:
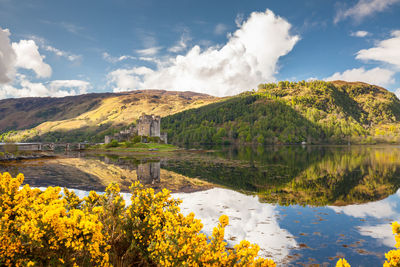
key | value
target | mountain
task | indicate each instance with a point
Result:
(293, 112)
(90, 116)
(275, 113)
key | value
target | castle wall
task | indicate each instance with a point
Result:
(144, 128)
(147, 125)
(164, 137)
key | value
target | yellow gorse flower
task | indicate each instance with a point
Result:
(37, 227)
(41, 228)
(46, 228)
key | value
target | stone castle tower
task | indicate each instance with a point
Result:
(149, 125)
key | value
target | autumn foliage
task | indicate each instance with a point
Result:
(47, 228)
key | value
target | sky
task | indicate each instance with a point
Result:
(221, 48)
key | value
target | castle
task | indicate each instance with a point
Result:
(147, 126)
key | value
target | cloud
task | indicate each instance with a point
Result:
(397, 93)
(7, 57)
(239, 19)
(182, 44)
(360, 34)
(72, 28)
(25, 54)
(377, 76)
(248, 58)
(57, 88)
(81, 86)
(387, 51)
(61, 53)
(111, 59)
(364, 8)
(28, 57)
(312, 79)
(43, 44)
(127, 79)
(151, 51)
(220, 29)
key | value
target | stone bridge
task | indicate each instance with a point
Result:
(42, 146)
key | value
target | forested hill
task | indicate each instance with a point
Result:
(293, 112)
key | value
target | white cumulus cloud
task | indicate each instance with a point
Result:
(28, 57)
(58, 88)
(248, 58)
(25, 54)
(377, 76)
(387, 51)
(364, 8)
(127, 79)
(79, 85)
(360, 34)
(7, 57)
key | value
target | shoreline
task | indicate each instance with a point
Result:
(26, 157)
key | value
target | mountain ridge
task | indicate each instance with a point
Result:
(284, 113)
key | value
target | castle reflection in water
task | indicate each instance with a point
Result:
(148, 173)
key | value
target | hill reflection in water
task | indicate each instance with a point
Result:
(300, 175)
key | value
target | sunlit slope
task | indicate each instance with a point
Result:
(293, 112)
(109, 111)
(24, 113)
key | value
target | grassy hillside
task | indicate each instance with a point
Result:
(290, 112)
(88, 117)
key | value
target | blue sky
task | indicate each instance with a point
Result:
(57, 48)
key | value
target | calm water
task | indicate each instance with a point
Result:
(305, 205)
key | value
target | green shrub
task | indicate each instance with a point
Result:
(113, 143)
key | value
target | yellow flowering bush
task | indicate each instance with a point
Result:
(393, 256)
(45, 228)
(38, 227)
(342, 263)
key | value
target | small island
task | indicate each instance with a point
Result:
(131, 146)
(144, 137)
